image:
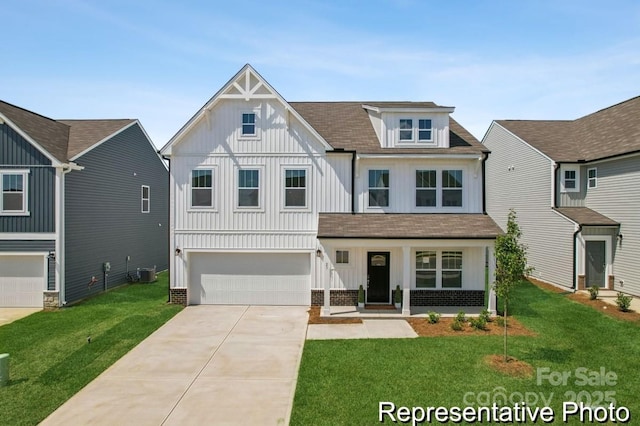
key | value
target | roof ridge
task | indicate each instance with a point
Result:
(609, 107)
(31, 112)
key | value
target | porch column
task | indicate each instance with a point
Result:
(406, 281)
(491, 305)
(326, 279)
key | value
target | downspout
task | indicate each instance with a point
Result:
(61, 225)
(575, 260)
(554, 182)
(353, 182)
(169, 263)
(485, 157)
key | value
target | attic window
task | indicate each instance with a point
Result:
(406, 130)
(424, 130)
(248, 124)
(415, 130)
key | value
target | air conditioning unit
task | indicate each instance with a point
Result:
(147, 275)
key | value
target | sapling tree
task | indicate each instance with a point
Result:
(511, 265)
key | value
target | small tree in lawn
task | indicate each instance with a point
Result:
(511, 265)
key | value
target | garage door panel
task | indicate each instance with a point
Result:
(256, 279)
(21, 281)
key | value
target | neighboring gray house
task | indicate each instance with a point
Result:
(575, 186)
(76, 194)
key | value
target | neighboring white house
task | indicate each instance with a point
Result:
(575, 187)
(298, 203)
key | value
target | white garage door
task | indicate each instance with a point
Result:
(250, 278)
(22, 281)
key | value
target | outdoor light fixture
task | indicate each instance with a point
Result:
(318, 253)
(178, 251)
(52, 255)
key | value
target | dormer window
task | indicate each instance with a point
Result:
(415, 130)
(406, 130)
(424, 130)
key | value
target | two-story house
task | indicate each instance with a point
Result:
(276, 202)
(574, 186)
(83, 202)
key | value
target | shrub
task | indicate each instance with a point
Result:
(434, 317)
(486, 315)
(360, 294)
(398, 295)
(457, 325)
(478, 323)
(500, 321)
(593, 292)
(623, 301)
(461, 317)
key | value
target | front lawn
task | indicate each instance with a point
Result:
(593, 357)
(51, 358)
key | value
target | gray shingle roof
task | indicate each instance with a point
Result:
(346, 125)
(407, 226)
(86, 133)
(586, 216)
(609, 132)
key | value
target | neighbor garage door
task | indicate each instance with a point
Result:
(250, 278)
(22, 281)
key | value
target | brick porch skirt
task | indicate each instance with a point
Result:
(418, 297)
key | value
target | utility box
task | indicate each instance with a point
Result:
(147, 275)
(4, 369)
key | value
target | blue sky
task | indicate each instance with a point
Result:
(160, 61)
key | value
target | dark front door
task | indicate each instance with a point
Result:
(378, 277)
(596, 264)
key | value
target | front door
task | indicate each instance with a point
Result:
(596, 263)
(378, 277)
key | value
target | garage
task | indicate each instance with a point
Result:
(22, 281)
(249, 278)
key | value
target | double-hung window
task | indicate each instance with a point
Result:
(295, 188)
(570, 179)
(378, 188)
(145, 195)
(592, 178)
(14, 192)
(202, 188)
(451, 269)
(426, 269)
(249, 124)
(452, 188)
(248, 188)
(424, 130)
(406, 130)
(425, 188)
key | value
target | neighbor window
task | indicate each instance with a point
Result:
(248, 188)
(406, 129)
(146, 198)
(570, 179)
(14, 192)
(425, 269)
(424, 130)
(592, 178)
(452, 188)
(342, 257)
(202, 188)
(248, 124)
(425, 188)
(451, 269)
(295, 188)
(378, 188)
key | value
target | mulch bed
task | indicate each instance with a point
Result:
(512, 367)
(315, 318)
(443, 328)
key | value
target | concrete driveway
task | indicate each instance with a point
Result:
(208, 365)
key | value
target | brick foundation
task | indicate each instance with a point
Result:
(337, 297)
(178, 296)
(51, 300)
(581, 281)
(612, 282)
(447, 297)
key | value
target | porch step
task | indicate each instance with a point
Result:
(380, 307)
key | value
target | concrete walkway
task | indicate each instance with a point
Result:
(208, 365)
(9, 315)
(369, 329)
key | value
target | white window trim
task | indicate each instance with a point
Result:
(283, 192)
(388, 188)
(214, 193)
(261, 177)
(456, 270)
(439, 268)
(425, 141)
(25, 192)
(257, 127)
(342, 265)
(436, 189)
(443, 188)
(415, 270)
(415, 140)
(563, 187)
(142, 199)
(594, 179)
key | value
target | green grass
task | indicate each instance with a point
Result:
(342, 381)
(50, 358)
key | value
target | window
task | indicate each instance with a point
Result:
(425, 188)
(424, 130)
(592, 178)
(570, 178)
(378, 188)
(452, 188)
(248, 188)
(295, 188)
(146, 198)
(248, 124)
(342, 257)
(202, 188)
(425, 269)
(14, 192)
(451, 269)
(406, 129)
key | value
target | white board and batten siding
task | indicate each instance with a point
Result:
(520, 178)
(23, 280)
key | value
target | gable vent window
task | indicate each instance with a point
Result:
(248, 124)
(592, 181)
(146, 199)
